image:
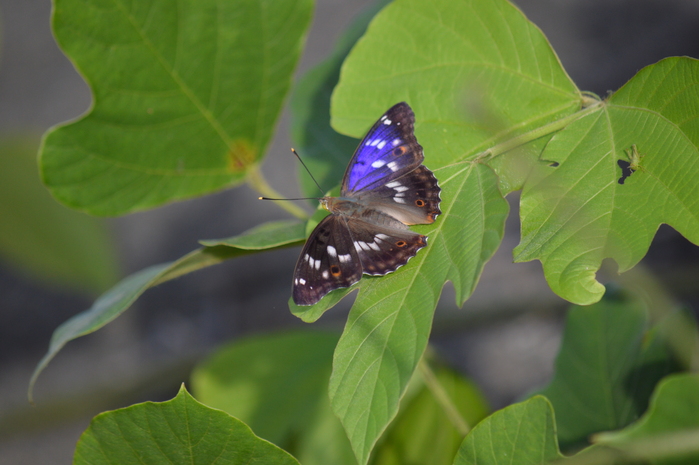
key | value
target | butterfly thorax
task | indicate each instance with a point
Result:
(360, 209)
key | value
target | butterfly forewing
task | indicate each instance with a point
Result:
(388, 151)
(328, 261)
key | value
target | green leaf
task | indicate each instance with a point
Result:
(422, 432)
(670, 427)
(277, 384)
(186, 96)
(577, 214)
(521, 434)
(324, 151)
(453, 62)
(607, 368)
(475, 73)
(389, 324)
(264, 236)
(118, 299)
(179, 431)
(40, 236)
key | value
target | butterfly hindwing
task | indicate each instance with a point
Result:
(381, 249)
(388, 151)
(412, 199)
(327, 262)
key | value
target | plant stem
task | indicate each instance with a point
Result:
(258, 182)
(541, 131)
(442, 398)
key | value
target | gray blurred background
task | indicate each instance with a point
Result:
(505, 337)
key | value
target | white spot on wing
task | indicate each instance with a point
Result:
(398, 199)
(375, 142)
(393, 165)
(387, 121)
(381, 144)
(395, 142)
(374, 246)
(317, 265)
(393, 184)
(332, 251)
(345, 258)
(325, 274)
(400, 188)
(302, 281)
(378, 164)
(381, 236)
(306, 257)
(357, 246)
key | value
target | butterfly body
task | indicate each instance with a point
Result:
(385, 189)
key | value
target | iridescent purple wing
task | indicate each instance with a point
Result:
(388, 151)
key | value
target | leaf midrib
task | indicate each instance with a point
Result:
(186, 90)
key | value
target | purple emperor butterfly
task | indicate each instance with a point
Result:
(385, 189)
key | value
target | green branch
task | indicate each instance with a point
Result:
(442, 397)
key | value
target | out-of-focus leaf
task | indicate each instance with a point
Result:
(607, 368)
(119, 298)
(278, 385)
(40, 236)
(422, 432)
(324, 151)
(672, 420)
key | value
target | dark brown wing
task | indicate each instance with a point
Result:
(327, 262)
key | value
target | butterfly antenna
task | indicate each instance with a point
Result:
(300, 198)
(308, 171)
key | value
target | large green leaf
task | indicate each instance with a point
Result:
(42, 237)
(437, 56)
(277, 384)
(476, 73)
(522, 434)
(179, 431)
(186, 96)
(607, 367)
(577, 214)
(389, 324)
(118, 299)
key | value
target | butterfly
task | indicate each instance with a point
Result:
(385, 188)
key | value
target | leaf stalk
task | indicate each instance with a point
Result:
(539, 132)
(442, 397)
